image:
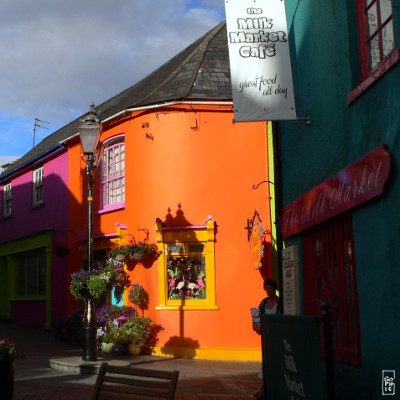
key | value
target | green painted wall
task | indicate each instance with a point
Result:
(8, 253)
(325, 62)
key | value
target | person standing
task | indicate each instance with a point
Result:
(269, 306)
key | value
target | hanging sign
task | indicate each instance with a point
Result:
(354, 185)
(256, 239)
(261, 73)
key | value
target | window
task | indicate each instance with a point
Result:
(376, 35)
(113, 174)
(330, 274)
(186, 266)
(186, 271)
(376, 42)
(7, 200)
(31, 274)
(38, 186)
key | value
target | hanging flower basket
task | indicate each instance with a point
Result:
(98, 281)
(138, 256)
(61, 250)
(120, 257)
(135, 250)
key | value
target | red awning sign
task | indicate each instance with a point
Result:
(354, 185)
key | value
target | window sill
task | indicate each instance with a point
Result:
(6, 217)
(111, 209)
(187, 307)
(36, 206)
(29, 298)
(391, 59)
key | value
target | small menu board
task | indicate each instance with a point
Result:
(291, 359)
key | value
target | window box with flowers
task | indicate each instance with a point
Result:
(7, 368)
(98, 281)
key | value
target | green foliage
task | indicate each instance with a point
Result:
(70, 329)
(136, 330)
(141, 247)
(99, 280)
(139, 296)
(7, 350)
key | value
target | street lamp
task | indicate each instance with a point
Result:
(89, 133)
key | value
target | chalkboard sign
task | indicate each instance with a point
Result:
(291, 360)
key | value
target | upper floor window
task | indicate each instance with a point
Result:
(38, 186)
(113, 174)
(186, 267)
(376, 32)
(376, 42)
(7, 200)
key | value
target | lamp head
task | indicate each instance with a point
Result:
(89, 131)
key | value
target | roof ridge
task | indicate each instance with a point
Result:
(204, 40)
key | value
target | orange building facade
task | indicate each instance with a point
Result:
(187, 184)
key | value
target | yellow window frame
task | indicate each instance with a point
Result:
(185, 236)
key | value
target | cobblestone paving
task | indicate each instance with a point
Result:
(198, 379)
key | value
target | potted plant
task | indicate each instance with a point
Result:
(107, 339)
(136, 330)
(109, 313)
(121, 340)
(7, 368)
(139, 296)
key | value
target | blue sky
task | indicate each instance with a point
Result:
(58, 57)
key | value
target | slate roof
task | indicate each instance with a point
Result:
(201, 71)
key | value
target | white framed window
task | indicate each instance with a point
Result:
(38, 186)
(113, 174)
(7, 200)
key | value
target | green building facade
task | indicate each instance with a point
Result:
(346, 74)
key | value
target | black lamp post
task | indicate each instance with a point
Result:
(89, 133)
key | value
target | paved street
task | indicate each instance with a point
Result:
(198, 379)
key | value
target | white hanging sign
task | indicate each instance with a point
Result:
(261, 73)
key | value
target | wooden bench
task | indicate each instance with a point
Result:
(117, 383)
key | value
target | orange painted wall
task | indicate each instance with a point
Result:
(201, 163)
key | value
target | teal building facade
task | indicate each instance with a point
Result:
(339, 182)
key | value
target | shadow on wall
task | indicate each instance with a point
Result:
(180, 346)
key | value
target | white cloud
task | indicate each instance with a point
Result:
(58, 57)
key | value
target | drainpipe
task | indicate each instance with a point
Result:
(278, 202)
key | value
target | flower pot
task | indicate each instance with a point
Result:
(62, 252)
(107, 347)
(120, 349)
(135, 349)
(138, 256)
(120, 257)
(7, 368)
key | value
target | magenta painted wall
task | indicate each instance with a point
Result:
(28, 219)
(52, 215)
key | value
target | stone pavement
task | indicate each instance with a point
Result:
(198, 379)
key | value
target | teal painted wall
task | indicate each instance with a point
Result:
(325, 62)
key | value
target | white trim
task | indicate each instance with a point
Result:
(160, 105)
